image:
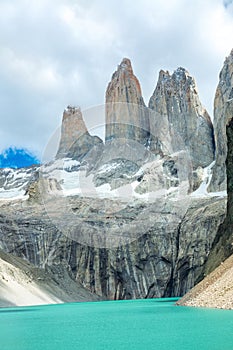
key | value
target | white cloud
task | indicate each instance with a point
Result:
(38, 75)
(57, 53)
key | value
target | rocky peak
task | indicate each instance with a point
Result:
(126, 78)
(180, 86)
(176, 101)
(125, 108)
(181, 74)
(223, 108)
(75, 140)
(225, 75)
(72, 128)
(126, 66)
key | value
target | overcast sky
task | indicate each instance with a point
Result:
(60, 52)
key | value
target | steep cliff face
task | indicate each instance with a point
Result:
(182, 116)
(126, 115)
(216, 289)
(75, 141)
(24, 284)
(222, 115)
(223, 244)
(164, 260)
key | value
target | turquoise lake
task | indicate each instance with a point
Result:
(139, 324)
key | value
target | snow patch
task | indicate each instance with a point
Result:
(106, 168)
(202, 190)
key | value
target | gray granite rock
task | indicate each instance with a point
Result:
(75, 141)
(166, 250)
(183, 121)
(222, 246)
(126, 113)
(222, 114)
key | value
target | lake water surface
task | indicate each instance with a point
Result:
(139, 324)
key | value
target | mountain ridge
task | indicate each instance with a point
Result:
(121, 215)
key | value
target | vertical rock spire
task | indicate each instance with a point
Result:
(72, 128)
(126, 115)
(75, 141)
(176, 101)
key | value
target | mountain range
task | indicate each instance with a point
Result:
(141, 214)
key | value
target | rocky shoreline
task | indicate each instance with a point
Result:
(215, 291)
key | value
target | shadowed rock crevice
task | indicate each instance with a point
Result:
(223, 244)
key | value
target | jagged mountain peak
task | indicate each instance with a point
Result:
(176, 99)
(181, 71)
(226, 75)
(73, 127)
(75, 139)
(126, 65)
(178, 77)
(124, 76)
(181, 74)
(124, 88)
(181, 85)
(71, 110)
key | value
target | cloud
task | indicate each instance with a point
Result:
(57, 53)
(227, 3)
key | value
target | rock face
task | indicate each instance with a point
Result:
(24, 284)
(126, 131)
(176, 121)
(182, 115)
(216, 290)
(222, 115)
(14, 182)
(126, 113)
(75, 140)
(223, 244)
(166, 260)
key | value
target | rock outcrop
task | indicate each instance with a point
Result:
(222, 115)
(126, 113)
(75, 142)
(183, 119)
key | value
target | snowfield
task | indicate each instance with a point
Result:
(73, 181)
